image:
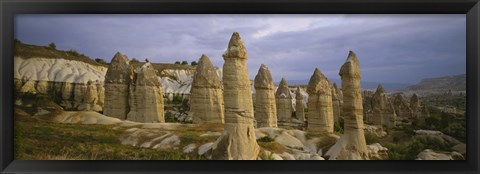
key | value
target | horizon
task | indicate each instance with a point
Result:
(407, 50)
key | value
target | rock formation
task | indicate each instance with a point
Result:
(320, 107)
(352, 145)
(283, 98)
(390, 119)
(101, 94)
(299, 107)
(415, 105)
(117, 81)
(146, 96)
(238, 141)
(379, 101)
(206, 95)
(265, 106)
(336, 104)
(90, 98)
(402, 109)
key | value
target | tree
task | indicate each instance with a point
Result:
(177, 62)
(52, 45)
(184, 62)
(194, 63)
(134, 60)
(101, 61)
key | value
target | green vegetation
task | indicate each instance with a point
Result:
(29, 51)
(194, 63)
(184, 62)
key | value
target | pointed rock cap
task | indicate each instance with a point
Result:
(119, 71)
(351, 67)
(282, 90)
(147, 76)
(263, 80)
(398, 99)
(298, 94)
(380, 89)
(236, 48)
(314, 82)
(414, 99)
(205, 74)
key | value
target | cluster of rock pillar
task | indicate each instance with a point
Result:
(206, 94)
(237, 141)
(135, 96)
(383, 111)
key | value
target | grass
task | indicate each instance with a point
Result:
(39, 140)
(29, 51)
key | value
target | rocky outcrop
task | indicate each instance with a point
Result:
(379, 104)
(117, 82)
(352, 145)
(299, 107)
(415, 106)
(206, 94)
(402, 109)
(265, 106)
(237, 141)
(146, 96)
(336, 103)
(90, 98)
(284, 104)
(429, 154)
(320, 108)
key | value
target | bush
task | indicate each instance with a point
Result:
(184, 62)
(371, 138)
(194, 63)
(265, 139)
(134, 60)
(177, 62)
(101, 61)
(73, 52)
(52, 45)
(169, 117)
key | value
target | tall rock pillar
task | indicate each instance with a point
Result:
(146, 96)
(117, 80)
(237, 141)
(206, 95)
(299, 107)
(265, 107)
(320, 107)
(283, 98)
(351, 145)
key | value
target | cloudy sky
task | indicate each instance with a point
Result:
(391, 48)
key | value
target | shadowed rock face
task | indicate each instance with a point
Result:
(402, 109)
(238, 141)
(146, 96)
(320, 108)
(299, 107)
(352, 145)
(117, 80)
(283, 99)
(379, 103)
(265, 106)
(206, 94)
(336, 104)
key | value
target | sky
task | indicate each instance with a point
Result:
(391, 48)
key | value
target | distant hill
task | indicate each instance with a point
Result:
(363, 84)
(454, 83)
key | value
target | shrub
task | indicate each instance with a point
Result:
(169, 117)
(184, 62)
(265, 139)
(99, 60)
(73, 52)
(52, 45)
(134, 60)
(194, 63)
(177, 62)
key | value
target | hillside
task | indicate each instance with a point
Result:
(454, 83)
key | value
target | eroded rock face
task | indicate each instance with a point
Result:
(352, 145)
(146, 96)
(402, 109)
(320, 107)
(90, 98)
(117, 81)
(336, 104)
(265, 106)
(206, 94)
(284, 104)
(299, 107)
(379, 102)
(238, 141)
